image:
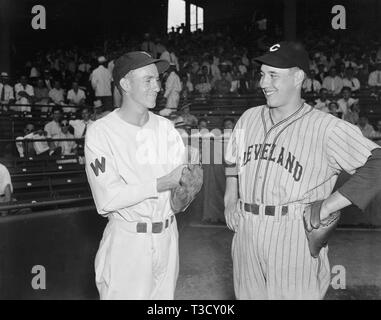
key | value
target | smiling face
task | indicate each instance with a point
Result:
(142, 86)
(278, 85)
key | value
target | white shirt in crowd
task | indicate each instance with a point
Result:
(101, 81)
(79, 127)
(333, 85)
(344, 105)
(374, 79)
(76, 97)
(57, 95)
(353, 83)
(39, 146)
(8, 93)
(67, 147)
(5, 179)
(322, 105)
(53, 129)
(22, 100)
(311, 85)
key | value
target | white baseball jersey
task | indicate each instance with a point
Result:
(291, 163)
(123, 163)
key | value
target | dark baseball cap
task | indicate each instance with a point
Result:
(135, 60)
(286, 54)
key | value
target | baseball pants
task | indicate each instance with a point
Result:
(271, 259)
(137, 266)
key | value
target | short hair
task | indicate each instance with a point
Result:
(228, 119)
(346, 88)
(202, 119)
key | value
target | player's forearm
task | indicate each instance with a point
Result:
(231, 192)
(333, 203)
(365, 184)
(127, 195)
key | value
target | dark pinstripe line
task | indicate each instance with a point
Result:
(290, 249)
(263, 247)
(276, 255)
(296, 257)
(341, 159)
(304, 256)
(270, 241)
(355, 134)
(322, 157)
(351, 147)
(283, 252)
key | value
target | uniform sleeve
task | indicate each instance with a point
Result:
(110, 191)
(347, 148)
(232, 151)
(7, 178)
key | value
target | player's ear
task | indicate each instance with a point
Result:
(299, 77)
(125, 84)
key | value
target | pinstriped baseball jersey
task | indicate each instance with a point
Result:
(296, 160)
(291, 163)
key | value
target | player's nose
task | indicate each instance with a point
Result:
(156, 85)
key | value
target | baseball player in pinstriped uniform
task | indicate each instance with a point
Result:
(133, 159)
(283, 156)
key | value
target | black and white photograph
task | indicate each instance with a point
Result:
(171, 151)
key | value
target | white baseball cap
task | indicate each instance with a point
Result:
(97, 103)
(4, 75)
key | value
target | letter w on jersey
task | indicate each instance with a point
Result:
(96, 166)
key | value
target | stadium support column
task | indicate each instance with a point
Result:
(289, 19)
(5, 35)
(187, 16)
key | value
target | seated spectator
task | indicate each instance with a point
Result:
(75, 97)
(333, 83)
(223, 85)
(333, 109)
(53, 128)
(350, 80)
(188, 118)
(352, 114)
(202, 131)
(57, 94)
(67, 147)
(24, 95)
(203, 87)
(346, 102)
(321, 73)
(228, 126)
(322, 102)
(80, 125)
(6, 91)
(30, 151)
(374, 79)
(310, 84)
(366, 128)
(41, 96)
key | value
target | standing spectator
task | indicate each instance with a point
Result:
(310, 84)
(41, 95)
(350, 80)
(99, 111)
(172, 92)
(80, 125)
(321, 73)
(101, 80)
(48, 79)
(187, 87)
(374, 79)
(24, 95)
(75, 97)
(68, 147)
(333, 83)
(149, 46)
(6, 91)
(345, 103)
(322, 102)
(53, 128)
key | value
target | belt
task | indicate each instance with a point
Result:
(157, 227)
(269, 210)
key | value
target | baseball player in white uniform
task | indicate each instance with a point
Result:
(283, 156)
(133, 160)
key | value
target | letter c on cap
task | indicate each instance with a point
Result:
(275, 47)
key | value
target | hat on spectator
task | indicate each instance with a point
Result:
(186, 105)
(284, 55)
(3, 75)
(101, 59)
(135, 60)
(97, 103)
